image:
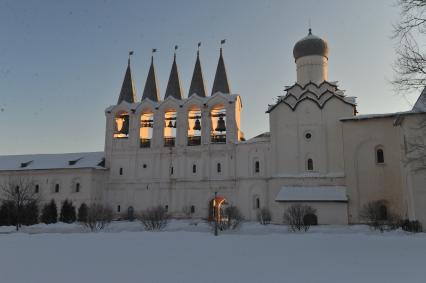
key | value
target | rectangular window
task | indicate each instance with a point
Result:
(77, 187)
(171, 170)
(219, 168)
(257, 203)
(257, 167)
(118, 208)
(194, 168)
(37, 189)
(121, 171)
(166, 207)
(192, 209)
(57, 188)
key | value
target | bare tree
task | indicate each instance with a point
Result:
(155, 218)
(410, 65)
(19, 192)
(379, 217)
(98, 217)
(299, 217)
(264, 216)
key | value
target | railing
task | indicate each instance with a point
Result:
(194, 140)
(218, 138)
(169, 142)
(145, 143)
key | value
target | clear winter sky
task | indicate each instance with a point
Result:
(62, 62)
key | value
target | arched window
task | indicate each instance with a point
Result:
(218, 124)
(146, 129)
(170, 125)
(380, 157)
(121, 124)
(77, 187)
(194, 126)
(310, 164)
(256, 166)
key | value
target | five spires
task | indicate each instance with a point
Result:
(174, 86)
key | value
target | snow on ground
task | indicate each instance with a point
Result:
(184, 252)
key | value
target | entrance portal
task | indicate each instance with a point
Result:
(216, 207)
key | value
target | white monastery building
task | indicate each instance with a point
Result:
(178, 151)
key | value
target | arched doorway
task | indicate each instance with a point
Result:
(216, 207)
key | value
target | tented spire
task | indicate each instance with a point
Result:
(174, 87)
(128, 90)
(151, 90)
(197, 82)
(221, 79)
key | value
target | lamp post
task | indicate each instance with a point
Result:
(215, 214)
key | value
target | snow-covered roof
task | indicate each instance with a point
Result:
(52, 161)
(378, 116)
(318, 193)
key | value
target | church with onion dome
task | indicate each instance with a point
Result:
(186, 151)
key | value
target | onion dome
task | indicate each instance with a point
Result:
(310, 45)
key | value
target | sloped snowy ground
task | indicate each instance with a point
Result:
(190, 253)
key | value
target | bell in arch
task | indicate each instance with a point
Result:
(170, 125)
(221, 127)
(125, 127)
(197, 125)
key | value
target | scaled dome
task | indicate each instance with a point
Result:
(310, 45)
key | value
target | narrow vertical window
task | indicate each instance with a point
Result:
(121, 171)
(37, 189)
(118, 208)
(171, 170)
(219, 168)
(257, 203)
(192, 209)
(194, 168)
(380, 157)
(57, 188)
(310, 164)
(257, 166)
(166, 208)
(77, 187)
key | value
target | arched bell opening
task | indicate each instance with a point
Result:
(218, 122)
(121, 125)
(194, 126)
(216, 209)
(170, 120)
(146, 129)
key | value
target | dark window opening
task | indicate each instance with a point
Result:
(257, 167)
(17, 189)
(310, 164)
(194, 168)
(144, 166)
(192, 208)
(380, 157)
(219, 168)
(118, 208)
(37, 189)
(57, 188)
(77, 187)
(171, 170)
(166, 207)
(121, 171)
(257, 203)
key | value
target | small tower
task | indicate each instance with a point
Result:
(221, 83)
(128, 90)
(151, 89)
(311, 57)
(197, 82)
(174, 87)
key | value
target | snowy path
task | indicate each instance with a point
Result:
(254, 254)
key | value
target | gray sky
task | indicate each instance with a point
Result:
(62, 62)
